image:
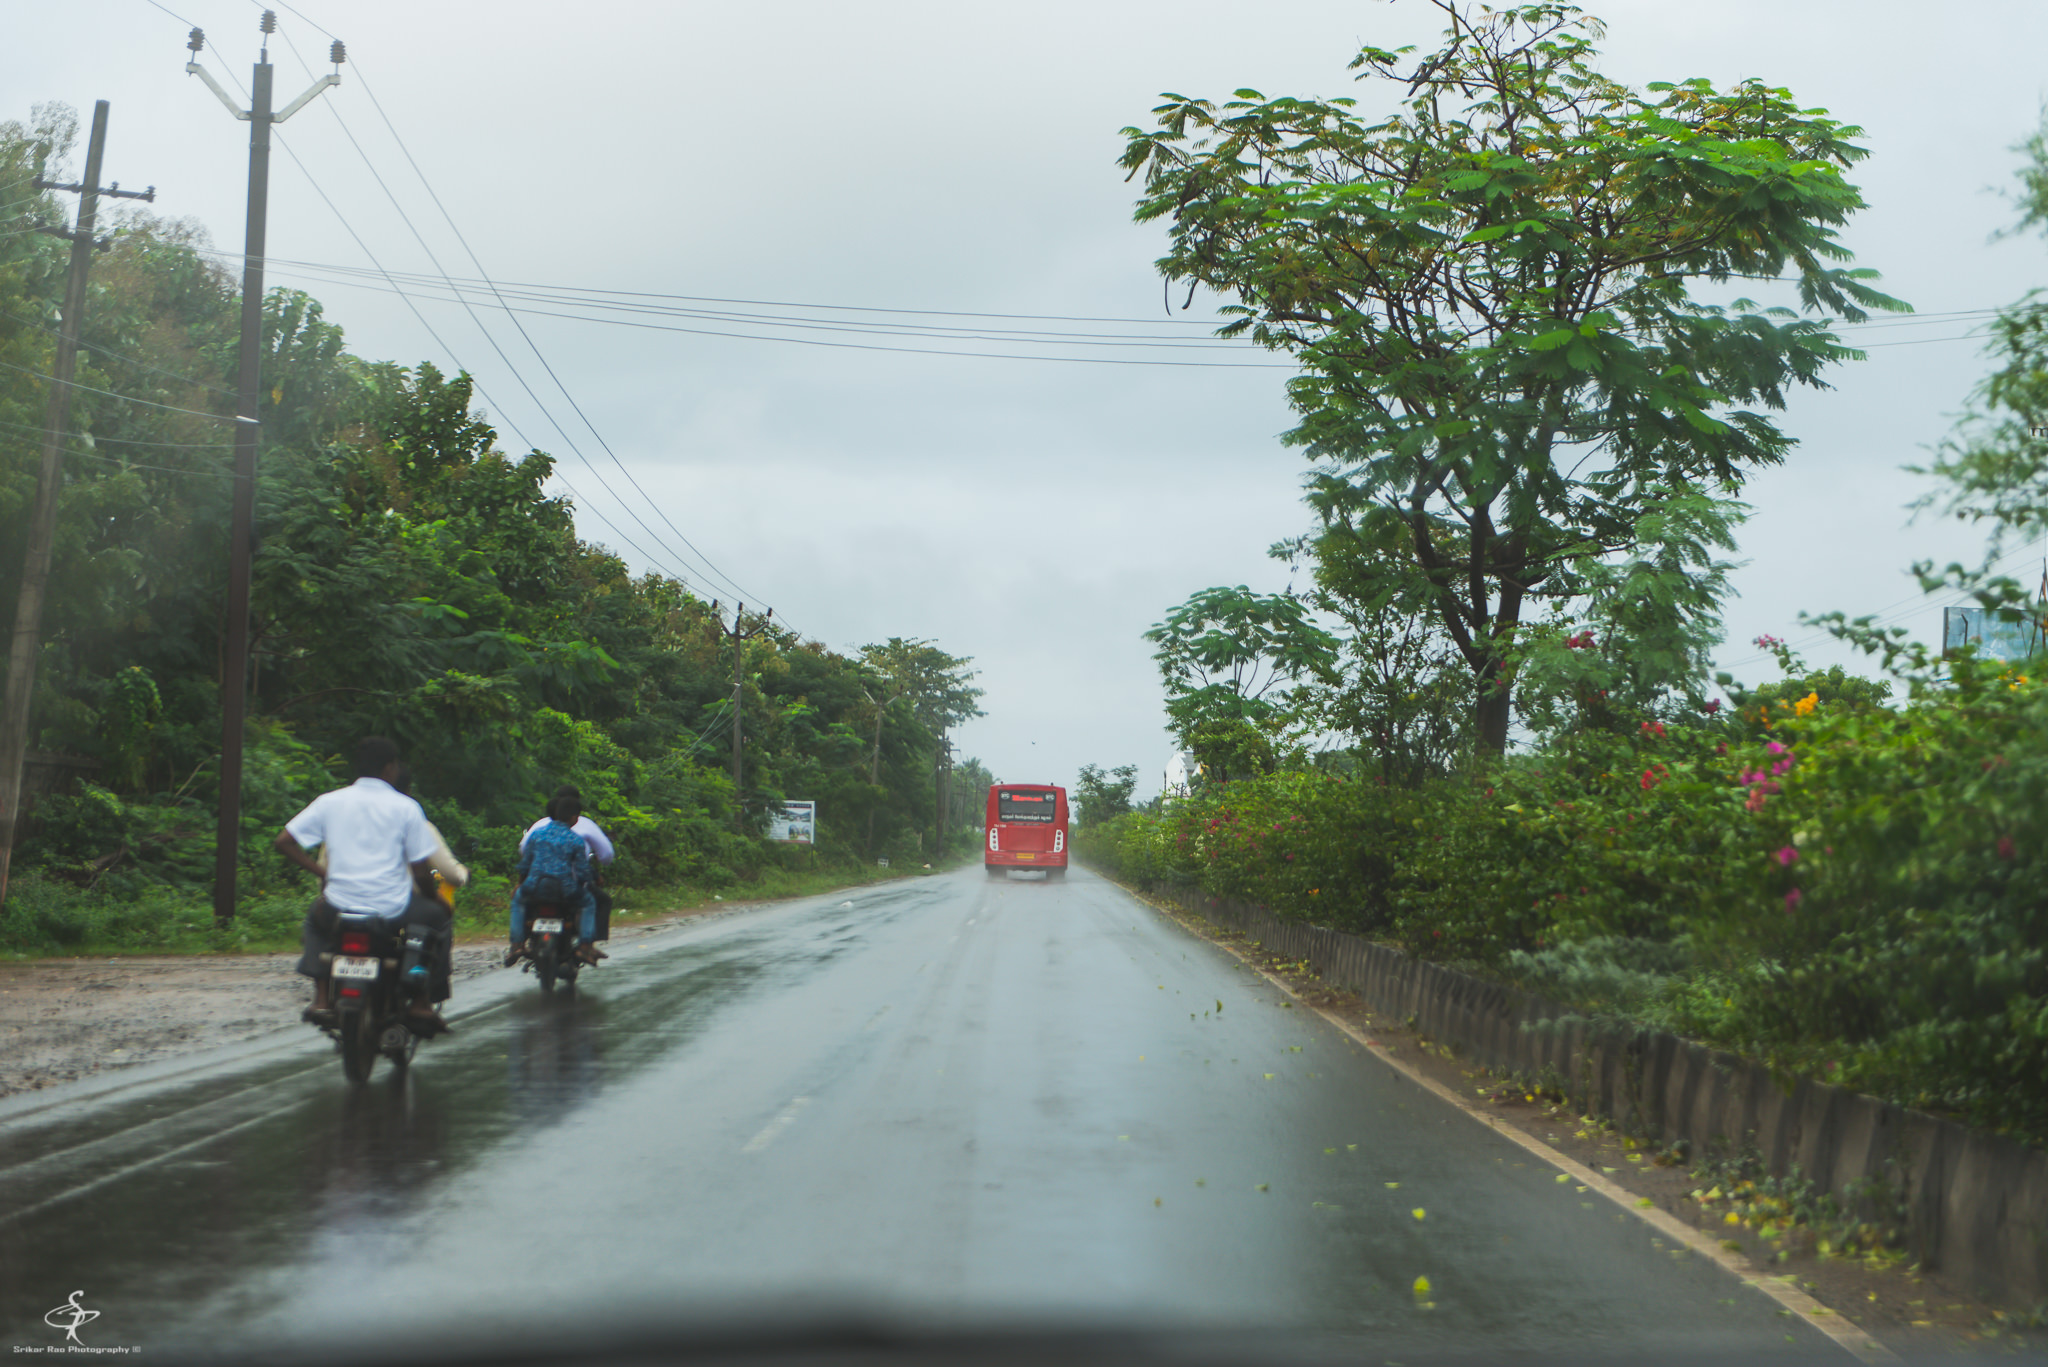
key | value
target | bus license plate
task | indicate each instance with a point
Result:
(347, 966)
(1027, 856)
(548, 925)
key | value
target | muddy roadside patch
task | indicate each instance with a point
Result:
(64, 1019)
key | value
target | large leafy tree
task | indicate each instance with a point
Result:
(1230, 659)
(1490, 292)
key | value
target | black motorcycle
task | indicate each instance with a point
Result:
(553, 935)
(379, 969)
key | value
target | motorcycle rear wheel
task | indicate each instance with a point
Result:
(358, 1043)
(544, 963)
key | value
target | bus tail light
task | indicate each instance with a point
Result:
(1059, 841)
(992, 838)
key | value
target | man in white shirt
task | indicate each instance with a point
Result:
(378, 844)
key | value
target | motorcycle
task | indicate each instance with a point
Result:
(553, 935)
(374, 975)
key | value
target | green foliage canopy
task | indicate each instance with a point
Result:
(1489, 291)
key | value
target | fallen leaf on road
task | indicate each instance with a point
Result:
(1392, 1185)
(1422, 1286)
(1564, 1177)
(1418, 1212)
(1263, 1186)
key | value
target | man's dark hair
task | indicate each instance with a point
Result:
(373, 754)
(573, 794)
(566, 809)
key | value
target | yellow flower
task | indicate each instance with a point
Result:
(1806, 704)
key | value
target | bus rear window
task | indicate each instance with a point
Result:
(1025, 806)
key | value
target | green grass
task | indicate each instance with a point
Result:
(47, 918)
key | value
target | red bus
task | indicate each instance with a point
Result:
(1027, 829)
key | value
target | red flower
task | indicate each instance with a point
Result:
(2006, 849)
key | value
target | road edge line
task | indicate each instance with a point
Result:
(1851, 1339)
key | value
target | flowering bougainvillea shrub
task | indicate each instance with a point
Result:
(1845, 889)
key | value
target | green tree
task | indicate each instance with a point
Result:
(1489, 292)
(1102, 797)
(1228, 658)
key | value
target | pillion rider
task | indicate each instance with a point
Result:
(378, 846)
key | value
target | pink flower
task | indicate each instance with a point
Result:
(1711, 706)
(1768, 643)
(2006, 849)
(1792, 900)
(1787, 855)
(1782, 765)
(1756, 799)
(1776, 747)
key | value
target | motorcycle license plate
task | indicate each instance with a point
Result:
(547, 925)
(347, 966)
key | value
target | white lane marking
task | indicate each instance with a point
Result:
(1801, 1305)
(774, 1128)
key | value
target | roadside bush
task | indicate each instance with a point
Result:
(1845, 889)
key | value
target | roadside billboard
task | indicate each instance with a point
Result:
(796, 825)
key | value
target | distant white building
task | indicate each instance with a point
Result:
(1180, 775)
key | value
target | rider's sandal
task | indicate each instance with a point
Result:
(318, 1015)
(514, 955)
(427, 1026)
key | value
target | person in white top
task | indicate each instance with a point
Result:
(601, 850)
(377, 846)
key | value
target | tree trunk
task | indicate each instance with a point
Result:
(1492, 709)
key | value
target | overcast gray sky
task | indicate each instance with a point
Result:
(1035, 514)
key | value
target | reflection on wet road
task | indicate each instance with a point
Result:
(944, 1097)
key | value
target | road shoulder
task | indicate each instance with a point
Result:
(1876, 1311)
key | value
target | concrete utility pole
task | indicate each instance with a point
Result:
(234, 678)
(739, 638)
(42, 522)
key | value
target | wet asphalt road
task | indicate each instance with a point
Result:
(942, 1098)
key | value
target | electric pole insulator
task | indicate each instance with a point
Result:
(197, 40)
(338, 53)
(269, 22)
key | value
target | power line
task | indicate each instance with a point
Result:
(125, 398)
(117, 356)
(576, 407)
(96, 438)
(346, 132)
(446, 349)
(625, 302)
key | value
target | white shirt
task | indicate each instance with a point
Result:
(600, 847)
(372, 833)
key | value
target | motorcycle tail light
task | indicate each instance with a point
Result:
(351, 991)
(355, 942)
